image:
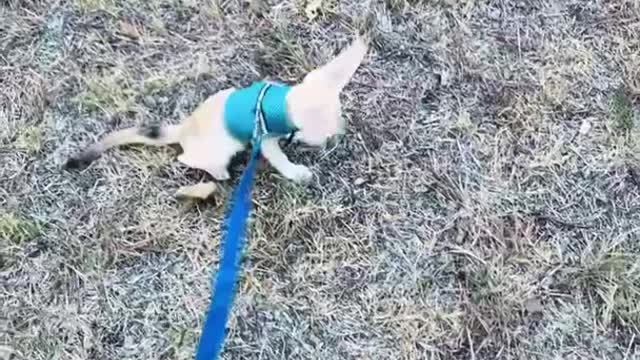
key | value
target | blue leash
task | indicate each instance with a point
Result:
(213, 332)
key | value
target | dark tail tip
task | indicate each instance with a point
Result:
(152, 131)
(81, 161)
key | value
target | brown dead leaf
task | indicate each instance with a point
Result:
(129, 29)
(258, 7)
(534, 306)
(313, 8)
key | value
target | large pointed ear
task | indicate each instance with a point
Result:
(337, 73)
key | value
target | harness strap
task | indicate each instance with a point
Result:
(289, 139)
(260, 127)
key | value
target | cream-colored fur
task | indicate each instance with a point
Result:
(313, 106)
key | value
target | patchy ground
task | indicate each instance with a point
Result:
(484, 204)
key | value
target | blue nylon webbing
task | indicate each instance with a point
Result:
(213, 331)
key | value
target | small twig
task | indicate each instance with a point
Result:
(633, 175)
(606, 20)
(473, 354)
(468, 253)
(626, 355)
(564, 223)
(327, 153)
(519, 42)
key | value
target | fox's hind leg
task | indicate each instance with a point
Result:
(211, 154)
(198, 191)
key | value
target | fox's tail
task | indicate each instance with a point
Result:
(154, 135)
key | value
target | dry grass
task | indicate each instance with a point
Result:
(484, 204)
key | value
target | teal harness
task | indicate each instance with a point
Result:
(241, 106)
